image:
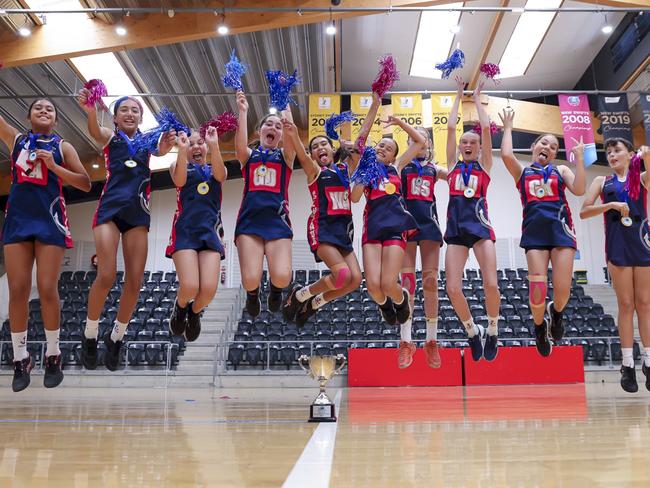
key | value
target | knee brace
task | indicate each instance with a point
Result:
(537, 290)
(430, 281)
(408, 280)
(339, 278)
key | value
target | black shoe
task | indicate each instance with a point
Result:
(491, 347)
(253, 303)
(21, 374)
(388, 311)
(53, 374)
(193, 328)
(556, 326)
(543, 343)
(291, 304)
(88, 352)
(646, 372)
(112, 358)
(306, 311)
(403, 310)
(628, 379)
(274, 300)
(178, 319)
(476, 344)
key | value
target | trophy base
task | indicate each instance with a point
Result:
(322, 413)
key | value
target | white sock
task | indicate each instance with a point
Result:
(432, 329)
(92, 329)
(646, 357)
(628, 360)
(470, 328)
(318, 301)
(493, 325)
(303, 294)
(118, 331)
(405, 331)
(19, 341)
(52, 337)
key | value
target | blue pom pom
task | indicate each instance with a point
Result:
(370, 172)
(234, 72)
(334, 121)
(280, 85)
(455, 61)
(166, 121)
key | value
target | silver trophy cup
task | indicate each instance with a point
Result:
(322, 368)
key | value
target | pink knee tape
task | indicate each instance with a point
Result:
(408, 282)
(342, 276)
(537, 291)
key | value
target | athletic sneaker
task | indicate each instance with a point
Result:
(178, 319)
(112, 358)
(432, 353)
(403, 310)
(491, 347)
(406, 352)
(88, 352)
(274, 300)
(476, 344)
(646, 372)
(556, 326)
(291, 304)
(53, 375)
(628, 379)
(193, 327)
(21, 374)
(542, 341)
(306, 311)
(388, 311)
(253, 303)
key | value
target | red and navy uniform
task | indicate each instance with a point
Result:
(626, 246)
(467, 217)
(125, 197)
(197, 221)
(385, 218)
(330, 221)
(264, 210)
(35, 208)
(418, 181)
(547, 221)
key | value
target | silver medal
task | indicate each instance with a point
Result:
(130, 163)
(626, 221)
(32, 156)
(540, 192)
(469, 192)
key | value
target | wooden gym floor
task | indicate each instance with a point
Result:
(571, 435)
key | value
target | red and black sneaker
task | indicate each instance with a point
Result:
(53, 375)
(21, 374)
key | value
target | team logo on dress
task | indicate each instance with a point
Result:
(142, 193)
(350, 231)
(283, 212)
(644, 234)
(58, 216)
(218, 226)
(480, 213)
(563, 217)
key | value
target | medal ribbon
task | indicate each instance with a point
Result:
(418, 166)
(129, 143)
(546, 170)
(622, 192)
(343, 175)
(466, 172)
(205, 171)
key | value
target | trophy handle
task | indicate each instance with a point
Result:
(304, 359)
(340, 357)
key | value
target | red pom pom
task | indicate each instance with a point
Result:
(97, 90)
(633, 185)
(225, 122)
(386, 77)
(490, 70)
(494, 129)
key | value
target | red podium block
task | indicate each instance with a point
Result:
(524, 366)
(378, 367)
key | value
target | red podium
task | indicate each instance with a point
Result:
(378, 367)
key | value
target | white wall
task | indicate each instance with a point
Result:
(504, 208)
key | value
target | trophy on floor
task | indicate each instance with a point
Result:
(322, 368)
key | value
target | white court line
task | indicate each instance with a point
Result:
(314, 465)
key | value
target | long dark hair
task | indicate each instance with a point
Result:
(31, 106)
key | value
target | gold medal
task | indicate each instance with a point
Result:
(390, 188)
(32, 156)
(261, 170)
(626, 221)
(418, 181)
(130, 163)
(203, 188)
(469, 192)
(540, 192)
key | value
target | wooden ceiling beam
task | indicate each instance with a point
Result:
(492, 33)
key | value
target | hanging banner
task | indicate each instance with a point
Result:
(440, 108)
(407, 107)
(360, 104)
(321, 106)
(576, 124)
(644, 98)
(614, 115)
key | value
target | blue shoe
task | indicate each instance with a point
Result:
(491, 347)
(476, 344)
